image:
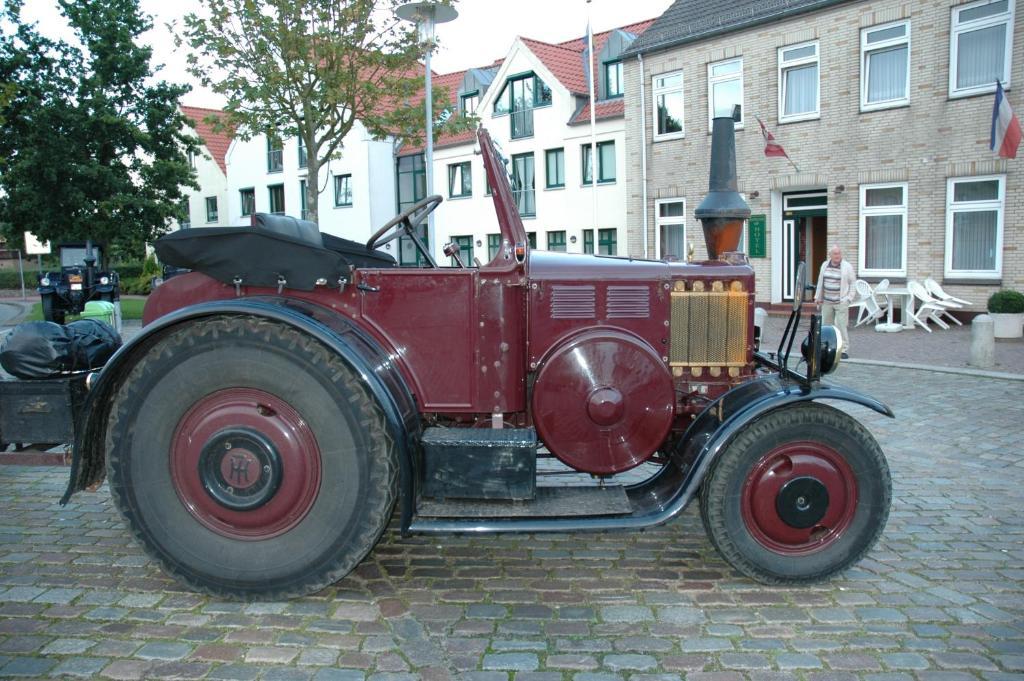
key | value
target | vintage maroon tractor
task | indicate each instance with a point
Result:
(291, 389)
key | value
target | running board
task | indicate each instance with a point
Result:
(550, 502)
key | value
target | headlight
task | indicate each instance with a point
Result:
(104, 280)
(831, 349)
(45, 281)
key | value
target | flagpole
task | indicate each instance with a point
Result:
(593, 122)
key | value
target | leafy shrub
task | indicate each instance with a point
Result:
(1006, 302)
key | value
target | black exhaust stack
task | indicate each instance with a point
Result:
(723, 210)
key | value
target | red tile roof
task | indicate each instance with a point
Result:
(564, 60)
(216, 142)
(612, 108)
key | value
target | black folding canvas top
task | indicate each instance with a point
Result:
(275, 247)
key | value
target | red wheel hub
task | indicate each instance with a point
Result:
(245, 464)
(799, 498)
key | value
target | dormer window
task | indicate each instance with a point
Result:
(613, 79)
(468, 102)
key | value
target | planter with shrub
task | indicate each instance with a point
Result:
(1007, 309)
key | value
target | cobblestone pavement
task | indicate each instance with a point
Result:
(940, 598)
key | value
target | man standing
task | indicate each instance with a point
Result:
(835, 292)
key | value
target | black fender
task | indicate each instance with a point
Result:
(721, 421)
(339, 333)
(664, 496)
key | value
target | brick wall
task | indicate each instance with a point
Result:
(923, 144)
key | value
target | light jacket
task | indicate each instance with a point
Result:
(847, 277)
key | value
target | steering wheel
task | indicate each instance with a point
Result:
(408, 220)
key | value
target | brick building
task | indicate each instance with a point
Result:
(885, 106)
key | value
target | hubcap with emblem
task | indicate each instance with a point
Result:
(245, 464)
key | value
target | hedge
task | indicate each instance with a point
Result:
(10, 279)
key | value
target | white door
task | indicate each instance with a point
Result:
(790, 248)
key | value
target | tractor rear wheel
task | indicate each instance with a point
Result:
(250, 460)
(799, 495)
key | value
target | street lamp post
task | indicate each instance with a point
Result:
(426, 15)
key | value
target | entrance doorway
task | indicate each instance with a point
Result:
(804, 236)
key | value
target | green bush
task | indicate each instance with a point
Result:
(9, 279)
(1006, 302)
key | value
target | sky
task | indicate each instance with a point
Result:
(482, 33)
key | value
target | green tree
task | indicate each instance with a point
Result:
(312, 68)
(92, 145)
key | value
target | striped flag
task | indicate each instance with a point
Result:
(1006, 133)
(771, 147)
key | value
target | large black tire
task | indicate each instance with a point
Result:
(212, 366)
(49, 313)
(753, 518)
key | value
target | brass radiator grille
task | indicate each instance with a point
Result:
(708, 328)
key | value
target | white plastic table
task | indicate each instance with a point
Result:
(906, 304)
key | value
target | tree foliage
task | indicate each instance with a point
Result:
(311, 69)
(92, 145)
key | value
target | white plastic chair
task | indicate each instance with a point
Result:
(929, 310)
(933, 288)
(946, 304)
(869, 308)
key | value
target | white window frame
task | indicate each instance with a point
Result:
(673, 220)
(713, 80)
(867, 49)
(655, 91)
(803, 61)
(867, 211)
(998, 204)
(956, 29)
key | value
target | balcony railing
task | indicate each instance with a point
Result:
(526, 201)
(522, 123)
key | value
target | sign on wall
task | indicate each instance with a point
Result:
(34, 246)
(756, 239)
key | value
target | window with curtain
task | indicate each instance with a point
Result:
(555, 173)
(556, 241)
(493, 245)
(885, 66)
(211, 209)
(303, 156)
(275, 154)
(588, 241)
(605, 162)
(974, 227)
(883, 229)
(460, 180)
(667, 108)
(981, 44)
(342, 190)
(523, 184)
(725, 89)
(613, 79)
(798, 82)
(465, 250)
(608, 241)
(275, 193)
(247, 197)
(670, 221)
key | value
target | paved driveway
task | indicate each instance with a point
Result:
(941, 597)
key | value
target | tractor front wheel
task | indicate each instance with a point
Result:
(50, 314)
(799, 495)
(250, 460)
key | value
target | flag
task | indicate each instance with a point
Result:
(1006, 133)
(771, 147)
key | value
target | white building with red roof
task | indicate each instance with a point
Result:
(207, 206)
(535, 103)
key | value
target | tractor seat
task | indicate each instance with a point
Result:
(275, 249)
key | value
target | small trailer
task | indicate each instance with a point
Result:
(289, 392)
